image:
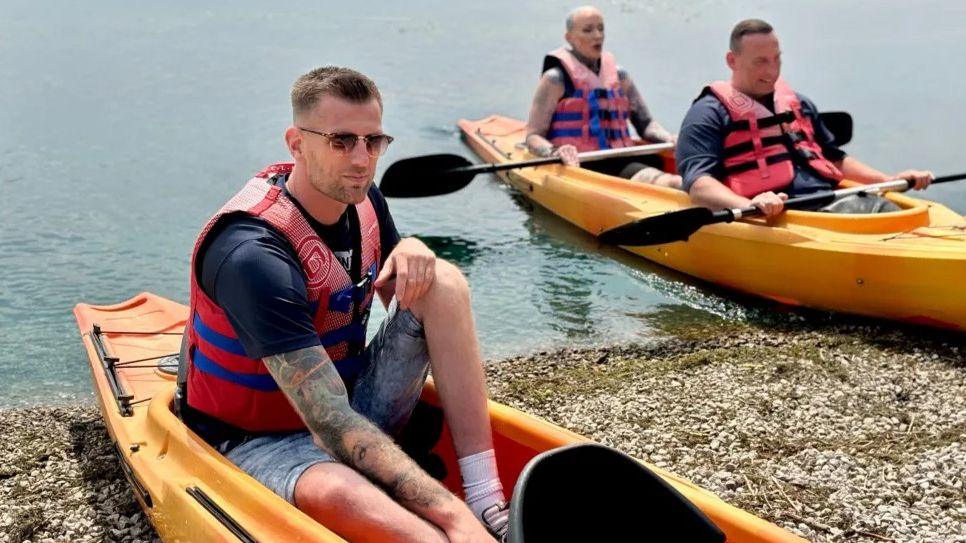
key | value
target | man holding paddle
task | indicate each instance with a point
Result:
(584, 102)
(753, 141)
(279, 378)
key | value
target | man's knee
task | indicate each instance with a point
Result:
(449, 287)
(325, 486)
(450, 279)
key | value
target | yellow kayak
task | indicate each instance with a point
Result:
(906, 265)
(190, 492)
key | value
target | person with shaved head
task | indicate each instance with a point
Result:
(584, 102)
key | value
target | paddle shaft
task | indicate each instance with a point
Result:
(821, 198)
(590, 156)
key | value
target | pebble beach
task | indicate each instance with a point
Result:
(836, 432)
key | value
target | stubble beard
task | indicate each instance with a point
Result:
(334, 189)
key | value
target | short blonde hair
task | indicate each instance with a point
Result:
(336, 81)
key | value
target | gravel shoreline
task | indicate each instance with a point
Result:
(837, 432)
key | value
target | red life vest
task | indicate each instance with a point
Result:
(595, 116)
(756, 156)
(223, 381)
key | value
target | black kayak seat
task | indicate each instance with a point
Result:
(589, 492)
(839, 123)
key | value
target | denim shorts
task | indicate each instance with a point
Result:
(385, 393)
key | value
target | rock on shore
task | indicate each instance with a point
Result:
(838, 433)
(847, 433)
(60, 480)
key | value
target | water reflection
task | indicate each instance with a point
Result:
(456, 249)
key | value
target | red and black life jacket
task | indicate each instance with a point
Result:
(595, 115)
(223, 381)
(757, 155)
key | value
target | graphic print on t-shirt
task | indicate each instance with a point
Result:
(345, 257)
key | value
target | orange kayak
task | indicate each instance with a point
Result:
(190, 492)
(906, 265)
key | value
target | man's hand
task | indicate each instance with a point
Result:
(921, 178)
(467, 528)
(569, 155)
(413, 266)
(769, 203)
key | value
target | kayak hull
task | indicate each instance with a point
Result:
(905, 265)
(190, 492)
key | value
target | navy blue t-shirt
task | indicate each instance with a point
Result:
(701, 142)
(252, 272)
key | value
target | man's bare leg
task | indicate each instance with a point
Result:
(351, 506)
(454, 354)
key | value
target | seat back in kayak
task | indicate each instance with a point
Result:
(589, 492)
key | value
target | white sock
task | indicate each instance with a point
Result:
(481, 482)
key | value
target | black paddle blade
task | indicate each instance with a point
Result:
(590, 492)
(659, 229)
(839, 123)
(430, 175)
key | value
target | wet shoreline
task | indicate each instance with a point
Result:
(835, 432)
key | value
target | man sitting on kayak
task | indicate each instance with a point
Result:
(755, 141)
(584, 101)
(280, 379)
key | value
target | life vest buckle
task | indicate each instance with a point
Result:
(361, 289)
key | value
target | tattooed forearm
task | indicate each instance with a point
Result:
(656, 132)
(640, 114)
(309, 379)
(549, 91)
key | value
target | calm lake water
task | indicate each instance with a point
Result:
(122, 128)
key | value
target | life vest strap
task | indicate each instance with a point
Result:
(258, 381)
(753, 164)
(765, 122)
(747, 146)
(221, 341)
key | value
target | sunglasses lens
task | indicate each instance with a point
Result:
(376, 145)
(343, 142)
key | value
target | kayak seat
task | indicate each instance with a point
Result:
(420, 435)
(589, 492)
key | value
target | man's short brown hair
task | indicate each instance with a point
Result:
(748, 26)
(343, 83)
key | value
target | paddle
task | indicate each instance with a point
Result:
(679, 225)
(589, 492)
(434, 175)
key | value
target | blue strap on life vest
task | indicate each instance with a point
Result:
(594, 129)
(349, 369)
(223, 342)
(259, 381)
(567, 116)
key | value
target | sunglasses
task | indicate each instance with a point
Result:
(376, 144)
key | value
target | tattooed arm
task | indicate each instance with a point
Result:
(641, 117)
(549, 91)
(310, 381)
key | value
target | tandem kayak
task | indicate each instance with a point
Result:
(190, 492)
(905, 265)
